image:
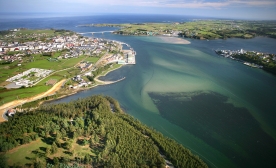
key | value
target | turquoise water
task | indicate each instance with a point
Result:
(237, 91)
(218, 108)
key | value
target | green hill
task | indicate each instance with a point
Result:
(90, 132)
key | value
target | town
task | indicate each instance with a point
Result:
(251, 58)
(40, 58)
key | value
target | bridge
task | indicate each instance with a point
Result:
(97, 32)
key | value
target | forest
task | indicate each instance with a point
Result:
(89, 132)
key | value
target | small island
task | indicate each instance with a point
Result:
(253, 59)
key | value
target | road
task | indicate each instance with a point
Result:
(15, 103)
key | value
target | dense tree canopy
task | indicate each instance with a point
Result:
(116, 139)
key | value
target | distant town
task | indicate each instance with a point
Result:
(251, 58)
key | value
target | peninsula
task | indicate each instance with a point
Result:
(90, 132)
(198, 29)
(33, 61)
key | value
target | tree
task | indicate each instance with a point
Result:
(68, 144)
(58, 135)
(3, 161)
(65, 160)
(54, 148)
(56, 161)
(87, 159)
(48, 151)
(58, 143)
(63, 133)
(38, 164)
(90, 78)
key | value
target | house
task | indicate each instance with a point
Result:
(11, 112)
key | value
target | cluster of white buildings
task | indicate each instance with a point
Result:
(127, 58)
(85, 65)
(81, 82)
(36, 47)
(77, 46)
(229, 53)
(264, 56)
(29, 77)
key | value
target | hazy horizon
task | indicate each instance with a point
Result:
(26, 15)
(231, 9)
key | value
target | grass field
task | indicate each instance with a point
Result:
(31, 31)
(202, 29)
(9, 70)
(92, 59)
(115, 66)
(28, 153)
(53, 65)
(13, 94)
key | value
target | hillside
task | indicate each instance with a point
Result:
(199, 29)
(90, 132)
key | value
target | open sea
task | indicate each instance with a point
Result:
(220, 109)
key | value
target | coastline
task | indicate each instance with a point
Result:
(75, 91)
(53, 90)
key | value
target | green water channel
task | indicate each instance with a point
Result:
(220, 109)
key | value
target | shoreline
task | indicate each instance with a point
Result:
(55, 88)
(87, 88)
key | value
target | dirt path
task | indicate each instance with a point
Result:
(15, 103)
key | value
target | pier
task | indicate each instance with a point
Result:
(100, 32)
(109, 82)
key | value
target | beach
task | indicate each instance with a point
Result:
(173, 40)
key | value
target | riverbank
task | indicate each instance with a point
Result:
(100, 82)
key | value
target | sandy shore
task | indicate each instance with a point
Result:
(15, 103)
(173, 40)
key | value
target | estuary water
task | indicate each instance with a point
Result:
(220, 109)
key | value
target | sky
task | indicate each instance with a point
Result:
(233, 9)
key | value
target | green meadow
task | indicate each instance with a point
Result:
(201, 29)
